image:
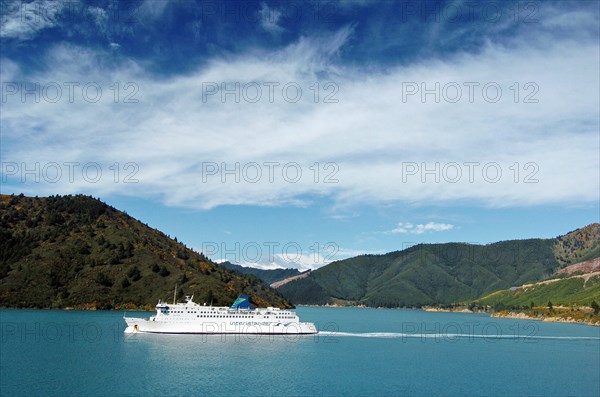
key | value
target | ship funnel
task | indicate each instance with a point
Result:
(242, 302)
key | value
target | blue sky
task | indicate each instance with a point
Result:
(295, 133)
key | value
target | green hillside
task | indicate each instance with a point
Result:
(439, 274)
(268, 276)
(75, 251)
(575, 290)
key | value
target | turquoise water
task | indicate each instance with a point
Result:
(360, 352)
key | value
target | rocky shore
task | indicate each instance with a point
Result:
(551, 317)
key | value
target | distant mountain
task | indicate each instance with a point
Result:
(268, 276)
(431, 274)
(75, 251)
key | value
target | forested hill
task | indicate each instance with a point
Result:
(76, 251)
(579, 245)
(430, 274)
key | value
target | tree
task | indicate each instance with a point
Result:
(549, 305)
(209, 296)
(155, 268)
(129, 250)
(104, 280)
(164, 272)
(134, 273)
(531, 305)
(596, 307)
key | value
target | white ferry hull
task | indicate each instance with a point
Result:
(140, 325)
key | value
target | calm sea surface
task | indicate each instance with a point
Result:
(359, 352)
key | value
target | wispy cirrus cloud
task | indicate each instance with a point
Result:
(385, 145)
(270, 19)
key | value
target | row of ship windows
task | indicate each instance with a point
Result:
(192, 312)
(198, 315)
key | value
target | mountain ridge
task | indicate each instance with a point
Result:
(441, 274)
(76, 251)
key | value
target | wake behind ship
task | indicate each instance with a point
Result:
(240, 318)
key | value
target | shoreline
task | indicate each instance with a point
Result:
(548, 319)
(557, 317)
(517, 315)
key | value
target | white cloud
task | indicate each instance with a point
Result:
(308, 259)
(433, 227)
(100, 16)
(263, 266)
(23, 20)
(401, 228)
(370, 136)
(409, 228)
(295, 260)
(256, 265)
(269, 19)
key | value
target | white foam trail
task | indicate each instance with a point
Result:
(392, 335)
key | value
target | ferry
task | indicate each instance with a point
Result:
(239, 318)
